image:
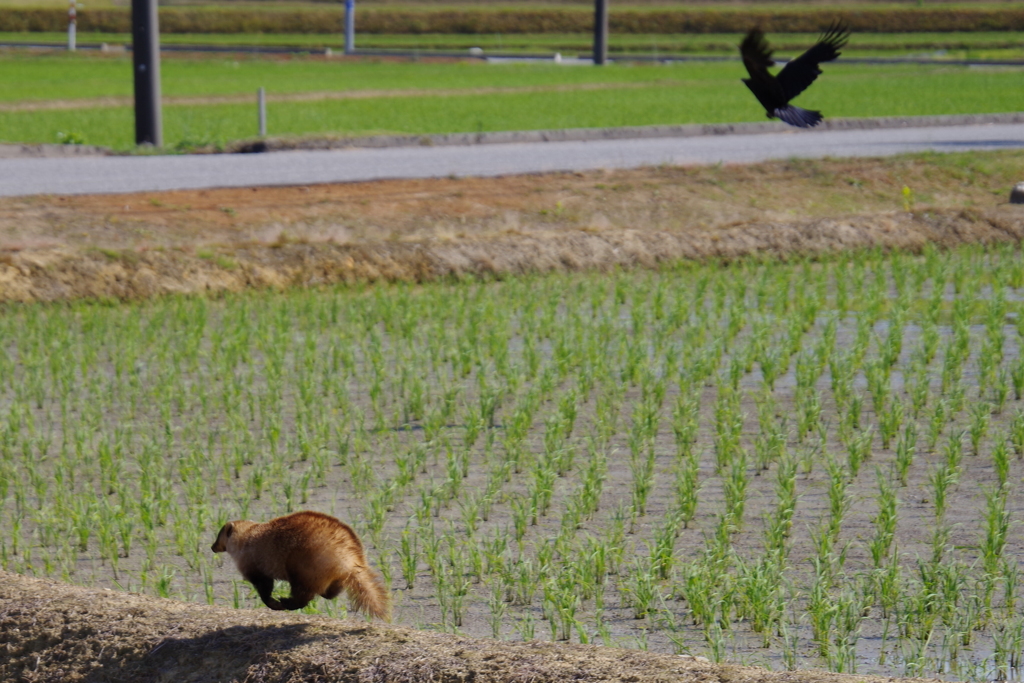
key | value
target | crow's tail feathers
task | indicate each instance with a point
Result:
(795, 116)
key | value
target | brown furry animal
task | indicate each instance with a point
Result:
(316, 553)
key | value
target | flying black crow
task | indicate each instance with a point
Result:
(775, 92)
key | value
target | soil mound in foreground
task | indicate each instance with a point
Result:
(51, 631)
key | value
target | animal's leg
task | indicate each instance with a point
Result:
(298, 599)
(264, 585)
(334, 589)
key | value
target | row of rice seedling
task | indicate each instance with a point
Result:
(805, 463)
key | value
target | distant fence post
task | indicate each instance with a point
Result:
(350, 26)
(261, 111)
(146, 61)
(72, 28)
(600, 31)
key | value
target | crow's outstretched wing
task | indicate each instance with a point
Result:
(801, 72)
(757, 56)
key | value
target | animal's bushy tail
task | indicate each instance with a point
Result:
(368, 594)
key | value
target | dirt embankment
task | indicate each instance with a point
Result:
(50, 631)
(135, 246)
(61, 274)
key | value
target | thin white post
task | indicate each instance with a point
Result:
(350, 26)
(72, 29)
(261, 113)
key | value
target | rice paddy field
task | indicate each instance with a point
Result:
(799, 463)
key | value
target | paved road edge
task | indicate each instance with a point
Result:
(623, 133)
(16, 150)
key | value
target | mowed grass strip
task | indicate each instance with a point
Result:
(63, 76)
(979, 45)
(673, 94)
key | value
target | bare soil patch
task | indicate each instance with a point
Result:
(130, 246)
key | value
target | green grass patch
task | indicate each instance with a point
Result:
(672, 94)
(65, 76)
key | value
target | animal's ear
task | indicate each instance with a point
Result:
(228, 528)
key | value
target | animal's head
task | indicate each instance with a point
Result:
(223, 537)
(231, 535)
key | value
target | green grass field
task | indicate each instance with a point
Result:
(637, 95)
(63, 76)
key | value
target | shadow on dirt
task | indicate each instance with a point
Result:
(223, 654)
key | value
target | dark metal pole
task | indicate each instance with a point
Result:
(146, 60)
(600, 31)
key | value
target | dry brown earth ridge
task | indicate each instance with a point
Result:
(132, 246)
